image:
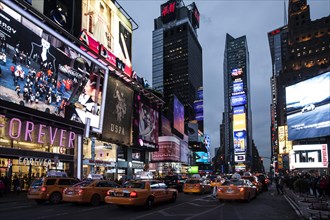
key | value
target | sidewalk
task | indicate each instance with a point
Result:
(303, 205)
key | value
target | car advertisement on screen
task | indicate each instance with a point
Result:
(308, 108)
(237, 100)
(106, 31)
(169, 149)
(40, 72)
(146, 123)
(239, 122)
(239, 142)
(309, 156)
(178, 115)
(118, 112)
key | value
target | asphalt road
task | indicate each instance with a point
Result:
(267, 205)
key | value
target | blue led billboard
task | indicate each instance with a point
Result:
(237, 100)
(237, 87)
(238, 110)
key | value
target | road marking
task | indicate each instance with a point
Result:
(202, 213)
(15, 207)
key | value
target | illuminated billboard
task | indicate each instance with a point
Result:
(238, 110)
(169, 149)
(309, 156)
(308, 108)
(118, 112)
(192, 132)
(239, 122)
(237, 73)
(46, 73)
(178, 115)
(107, 32)
(146, 123)
(240, 158)
(284, 145)
(184, 152)
(239, 142)
(238, 87)
(237, 100)
(168, 11)
(202, 157)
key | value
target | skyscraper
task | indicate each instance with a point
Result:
(177, 56)
(237, 108)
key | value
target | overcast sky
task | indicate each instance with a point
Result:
(252, 18)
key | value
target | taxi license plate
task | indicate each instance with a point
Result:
(69, 193)
(230, 191)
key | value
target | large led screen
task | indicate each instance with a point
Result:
(237, 100)
(42, 72)
(308, 108)
(237, 87)
(184, 152)
(202, 157)
(239, 142)
(239, 122)
(169, 150)
(146, 122)
(178, 115)
(238, 110)
(108, 32)
(118, 112)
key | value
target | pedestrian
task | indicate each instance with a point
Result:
(18, 90)
(279, 182)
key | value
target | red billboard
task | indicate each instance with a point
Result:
(169, 150)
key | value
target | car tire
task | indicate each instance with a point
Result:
(95, 200)
(55, 198)
(40, 201)
(149, 203)
(248, 198)
(173, 199)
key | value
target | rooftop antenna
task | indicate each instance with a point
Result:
(285, 18)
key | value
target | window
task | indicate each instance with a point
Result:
(50, 182)
(64, 182)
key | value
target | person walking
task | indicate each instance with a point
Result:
(279, 181)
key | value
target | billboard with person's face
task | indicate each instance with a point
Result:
(107, 31)
(43, 72)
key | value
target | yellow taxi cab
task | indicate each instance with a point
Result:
(196, 185)
(216, 182)
(141, 193)
(254, 180)
(49, 189)
(237, 189)
(89, 191)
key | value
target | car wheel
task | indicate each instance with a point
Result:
(40, 201)
(96, 200)
(174, 196)
(149, 203)
(55, 198)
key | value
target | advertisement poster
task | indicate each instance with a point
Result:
(178, 116)
(41, 72)
(239, 122)
(239, 142)
(308, 108)
(237, 100)
(118, 112)
(169, 150)
(107, 32)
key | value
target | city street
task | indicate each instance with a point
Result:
(187, 207)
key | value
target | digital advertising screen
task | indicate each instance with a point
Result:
(118, 112)
(43, 71)
(192, 132)
(202, 157)
(184, 152)
(309, 156)
(308, 108)
(168, 11)
(239, 142)
(238, 110)
(178, 115)
(238, 87)
(146, 122)
(239, 122)
(237, 100)
(198, 106)
(107, 31)
(169, 150)
(237, 73)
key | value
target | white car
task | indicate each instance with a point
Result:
(307, 108)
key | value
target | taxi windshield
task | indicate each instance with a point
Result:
(136, 185)
(192, 181)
